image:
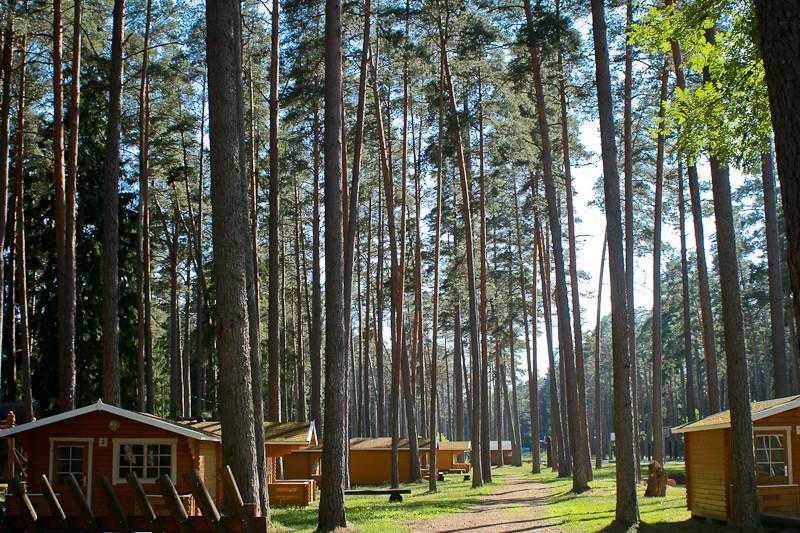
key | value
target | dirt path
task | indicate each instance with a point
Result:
(517, 506)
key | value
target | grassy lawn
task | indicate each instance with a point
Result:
(376, 514)
(594, 510)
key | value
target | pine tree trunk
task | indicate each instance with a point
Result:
(777, 325)
(274, 311)
(580, 363)
(144, 348)
(458, 377)
(559, 461)
(466, 211)
(366, 329)
(627, 508)
(5, 121)
(70, 294)
(300, 351)
(629, 244)
(598, 398)
(692, 401)
(657, 415)
(331, 505)
(66, 362)
(22, 273)
(484, 381)
(706, 316)
(315, 334)
(530, 358)
(433, 472)
(110, 306)
(232, 250)
(779, 37)
(578, 438)
(379, 349)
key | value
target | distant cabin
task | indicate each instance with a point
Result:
(105, 440)
(371, 460)
(451, 456)
(776, 440)
(495, 453)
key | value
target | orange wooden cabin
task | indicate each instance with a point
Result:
(776, 441)
(451, 456)
(371, 460)
(495, 454)
(104, 440)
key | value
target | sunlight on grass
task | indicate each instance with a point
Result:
(375, 513)
(594, 510)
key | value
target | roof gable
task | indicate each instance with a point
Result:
(143, 418)
(758, 410)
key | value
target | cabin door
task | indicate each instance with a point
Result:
(71, 457)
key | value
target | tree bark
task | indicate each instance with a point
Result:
(315, 334)
(274, 375)
(5, 121)
(232, 249)
(578, 439)
(70, 294)
(144, 348)
(300, 348)
(779, 38)
(707, 318)
(657, 416)
(331, 506)
(66, 364)
(22, 273)
(692, 401)
(466, 211)
(484, 319)
(627, 508)
(433, 472)
(458, 376)
(598, 398)
(111, 168)
(777, 325)
(533, 387)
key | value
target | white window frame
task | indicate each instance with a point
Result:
(67, 441)
(787, 432)
(117, 443)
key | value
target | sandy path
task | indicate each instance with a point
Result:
(515, 507)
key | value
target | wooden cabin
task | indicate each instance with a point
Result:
(776, 440)
(104, 440)
(451, 456)
(305, 463)
(371, 460)
(281, 440)
(505, 447)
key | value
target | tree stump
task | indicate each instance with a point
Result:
(656, 481)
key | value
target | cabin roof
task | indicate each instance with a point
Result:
(758, 411)
(274, 432)
(455, 445)
(144, 418)
(384, 443)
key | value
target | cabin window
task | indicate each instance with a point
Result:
(71, 461)
(149, 460)
(771, 465)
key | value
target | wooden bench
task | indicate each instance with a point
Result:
(395, 495)
(286, 493)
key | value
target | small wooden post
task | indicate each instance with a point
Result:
(174, 504)
(203, 499)
(52, 501)
(234, 498)
(115, 505)
(144, 503)
(28, 512)
(83, 505)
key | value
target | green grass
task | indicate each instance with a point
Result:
(375, 513)
(594, 510)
